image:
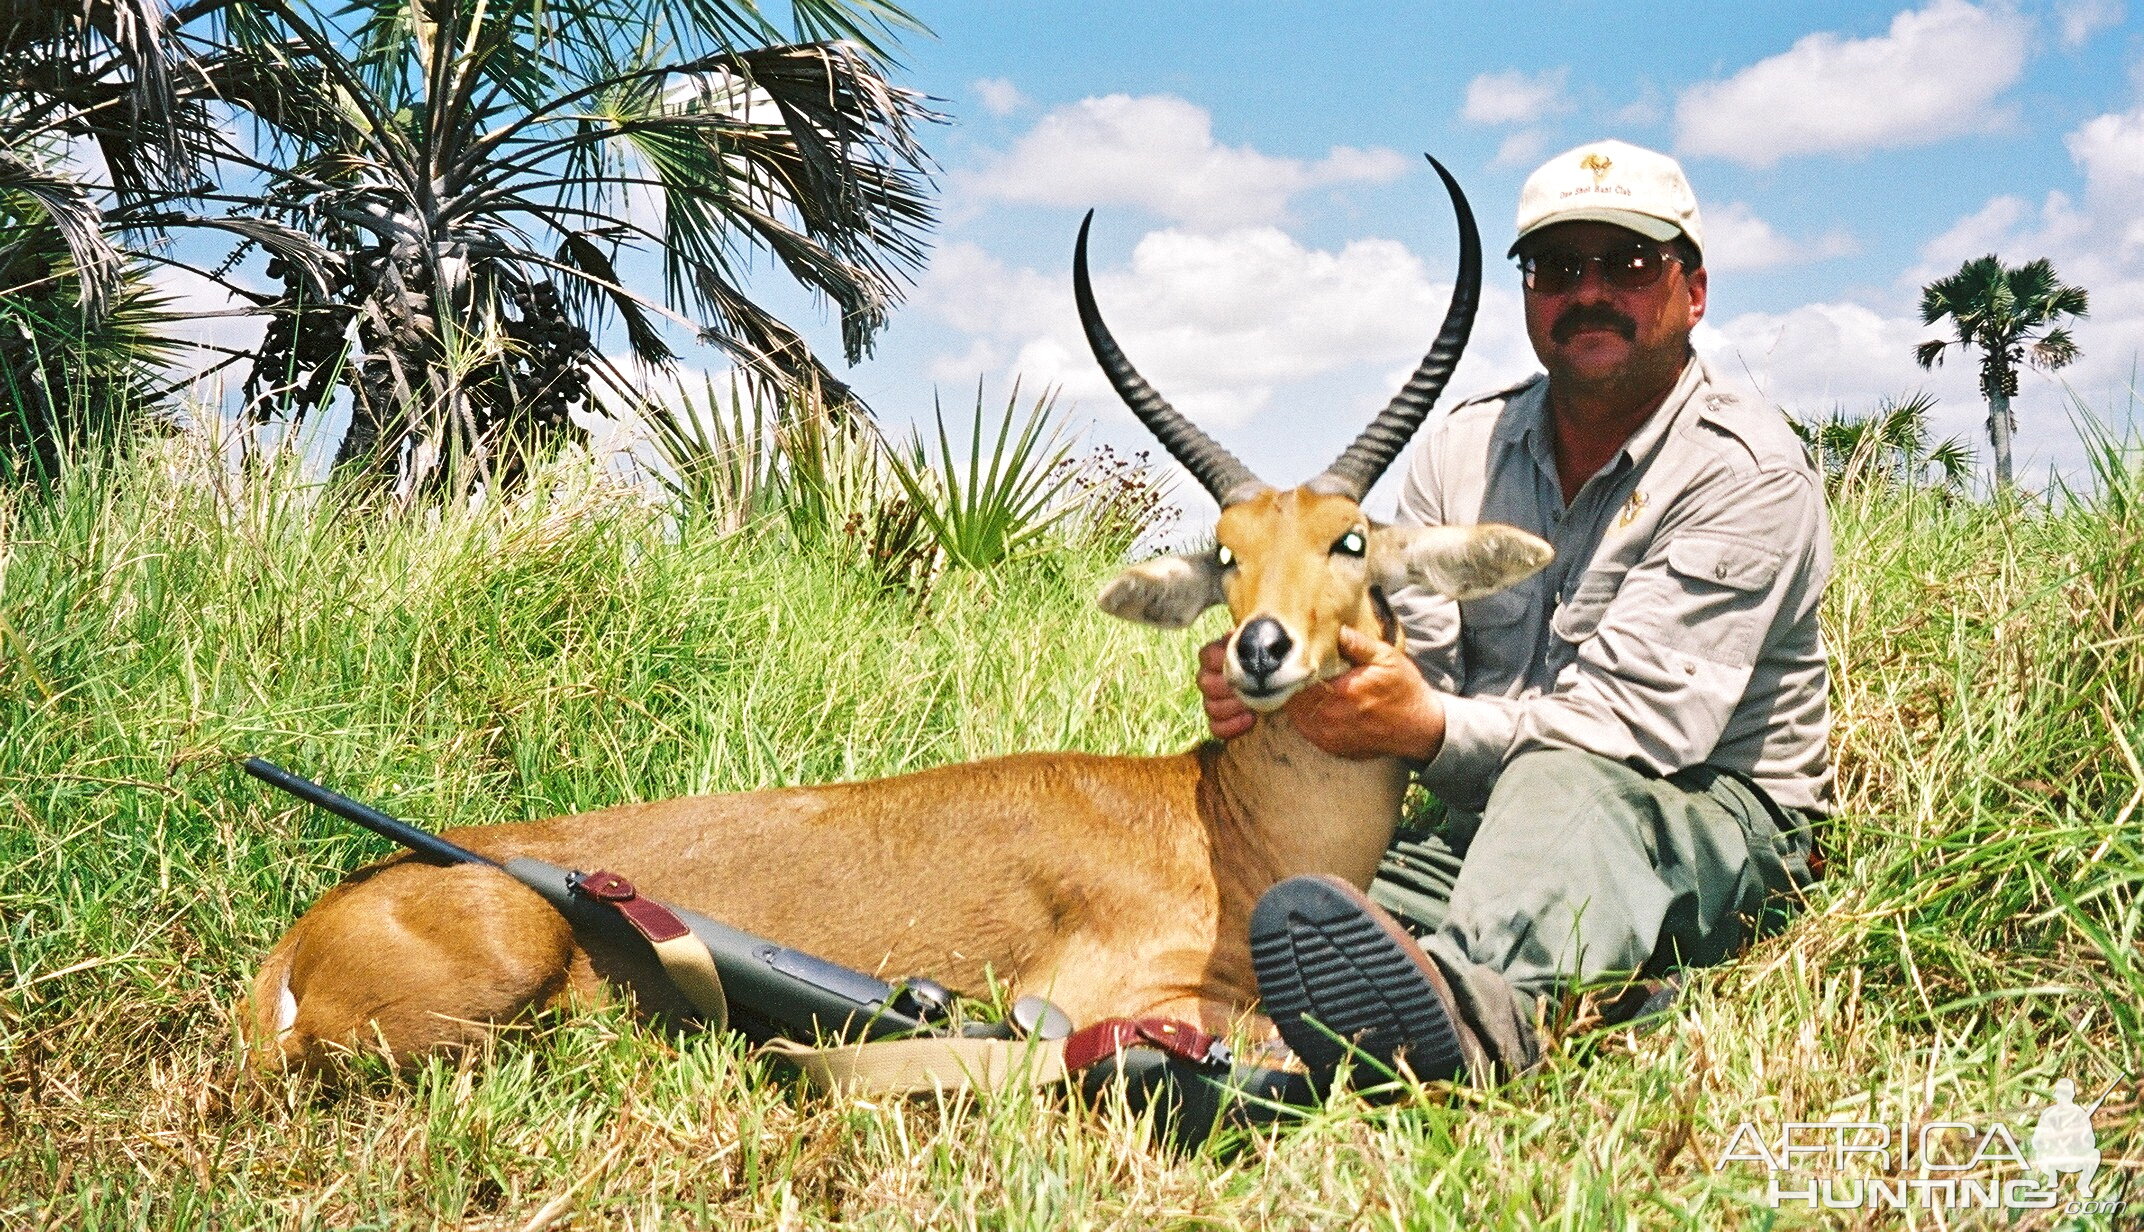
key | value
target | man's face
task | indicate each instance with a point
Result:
(1594, 336)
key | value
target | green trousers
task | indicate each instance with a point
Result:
(1583, 874)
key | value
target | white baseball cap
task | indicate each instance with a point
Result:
(1612, 182)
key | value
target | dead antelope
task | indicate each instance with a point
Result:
(1115, 886)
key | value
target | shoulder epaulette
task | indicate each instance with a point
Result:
(1760, 428)
(1498, 395)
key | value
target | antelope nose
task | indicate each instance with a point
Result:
(1261, 647)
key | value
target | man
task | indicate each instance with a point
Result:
(1631, 744)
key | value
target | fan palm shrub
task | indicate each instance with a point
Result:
(736, 459)
(95, 132)
(83, 339)
(1888, 447)
(995, 504)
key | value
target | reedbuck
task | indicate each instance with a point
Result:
(1115, 886)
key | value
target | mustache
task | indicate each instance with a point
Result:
(1589, 316)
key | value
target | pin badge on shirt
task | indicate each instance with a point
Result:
(1629, 512)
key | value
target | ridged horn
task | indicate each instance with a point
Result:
(1216, 469)
(1381, 442)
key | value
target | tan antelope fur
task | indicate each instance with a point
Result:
(1111, 885)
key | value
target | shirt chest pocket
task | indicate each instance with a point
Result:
(1724, 562)
(1719, 608)
(1579, 617)
(1495, 638)
(1705, 602)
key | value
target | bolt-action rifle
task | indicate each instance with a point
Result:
(781, 991)
(855, 1019)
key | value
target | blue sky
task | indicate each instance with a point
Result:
(1273, 253)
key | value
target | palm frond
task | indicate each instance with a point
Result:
(67, 206)
(108, 73)
(2054, 349)
(1953, 463)
(2064, 300)
(581, 251)
(315, 263)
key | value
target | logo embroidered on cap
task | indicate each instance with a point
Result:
(1598, 164)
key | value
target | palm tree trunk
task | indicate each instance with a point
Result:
(1999, 434)
(371, 413)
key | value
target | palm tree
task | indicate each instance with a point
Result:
(2009, 314)
(80, 340)
(469, 176)
(81, 349)
(1888, 448)
(448, 190)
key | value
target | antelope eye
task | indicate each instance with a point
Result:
(1349, 544)
(1225, 558)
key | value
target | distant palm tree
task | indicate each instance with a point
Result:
(2009, 314)
(471, 173)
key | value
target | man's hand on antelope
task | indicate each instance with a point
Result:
(1379, 707)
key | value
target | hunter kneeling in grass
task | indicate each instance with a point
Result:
(1631, 743)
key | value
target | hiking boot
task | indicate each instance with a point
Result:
(1340, 977)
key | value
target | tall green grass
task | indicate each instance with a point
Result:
(1978, 935)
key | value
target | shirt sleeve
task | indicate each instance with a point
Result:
(1661, 660)
(1431, 620)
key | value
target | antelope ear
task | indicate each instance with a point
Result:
(1461, 562)
(1169, 591)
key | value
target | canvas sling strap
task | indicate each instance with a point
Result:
(904, 1066)
(933, 1063)
(684, 956)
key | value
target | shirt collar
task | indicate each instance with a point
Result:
(1524, 423)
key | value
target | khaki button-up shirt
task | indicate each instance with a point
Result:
(1677, 624)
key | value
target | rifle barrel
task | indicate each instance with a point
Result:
(424, 842)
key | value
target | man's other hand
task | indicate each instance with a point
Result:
(1380, 707)
(1225, 712)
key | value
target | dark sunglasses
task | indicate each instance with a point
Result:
(1625, 269)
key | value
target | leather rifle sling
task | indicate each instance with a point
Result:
(685, 958)
(895, 1067)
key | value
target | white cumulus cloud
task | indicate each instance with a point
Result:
(1158, 152)
(1737, 239)
(1938, 72)
(999, 95)
(2079, 20)
(1824, 355)
(1978, 233)
(1218, 322)
(2110, 149)
(1515, 97)
(1523, 148)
